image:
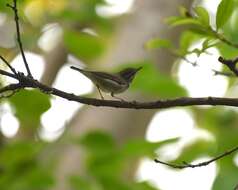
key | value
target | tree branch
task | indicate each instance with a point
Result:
(221, 73)
(10, 67)
(29, 82)
(13, 88)
(26, 81)
(230, 63)
(2, 72)
(224, 39)
(187, 165)
(14, 8)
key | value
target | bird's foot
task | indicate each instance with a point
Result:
(118, 98)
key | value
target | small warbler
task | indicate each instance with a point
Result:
(113, 83)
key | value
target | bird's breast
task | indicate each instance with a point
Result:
(113, 87)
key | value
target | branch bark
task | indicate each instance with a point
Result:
(187, 165)
(15, 10)
(26, 81)
(29, 82)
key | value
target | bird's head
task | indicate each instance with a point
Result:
(129, 73)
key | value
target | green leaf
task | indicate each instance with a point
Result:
(4, 8)
(39, 178)
(22, 168)
(186, 40)
(78, 183)
(112, 183)
(195, 150)
(106, 164)
(227, 51)
(180, 21)
(158, 43)
(18, 154)
(183, 11)
(98, 142)
(84, 46)
(226, 167)
(102, 154)
(33, 178)
(202, 15)
(143, 186)
(159, 84)
(209, 43)
(202, 31)
(29, 106)
(141, 147)
(224, 11)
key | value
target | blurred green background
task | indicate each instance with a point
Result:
(85, 148)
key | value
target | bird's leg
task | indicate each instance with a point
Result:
(100, 92)
(112, 94)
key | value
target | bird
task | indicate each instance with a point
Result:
(113, 83)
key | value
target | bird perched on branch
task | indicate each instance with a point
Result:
(113, 83)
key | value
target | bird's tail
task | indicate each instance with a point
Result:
(77, 69)
(84, 72)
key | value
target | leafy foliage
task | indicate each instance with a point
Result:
(84, 46)
(30, 110)
(202, 15)
(21, 169)
(219, 122)
(159, 85)
(158, 43)
(106, 161)
(224, 12)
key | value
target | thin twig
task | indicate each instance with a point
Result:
(227, 74)
(230, 63)
(13, 88)
(225, 40)
(187, 165)
(10, 67)
(175, 54)
(158, 104)
(28, 81)
(2, 72)
(14, 8)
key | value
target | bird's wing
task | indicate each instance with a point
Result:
(108, 77)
